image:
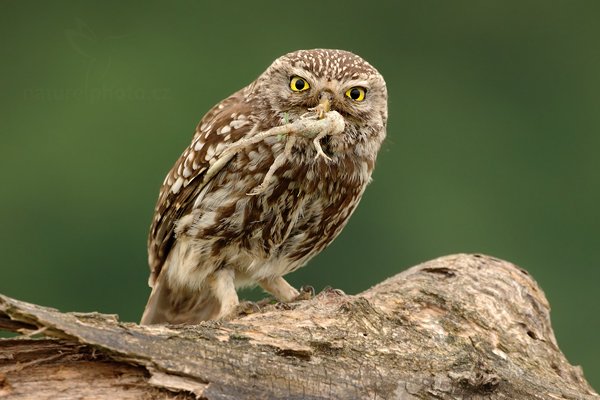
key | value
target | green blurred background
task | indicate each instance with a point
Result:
(492, 145)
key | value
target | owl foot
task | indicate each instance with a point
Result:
(307, 292)
(243, 309)
(332, 290)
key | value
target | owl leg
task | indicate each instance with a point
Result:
(279, 288)
(223, 288)
(179, 305)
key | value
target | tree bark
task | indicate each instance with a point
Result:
(458, 327)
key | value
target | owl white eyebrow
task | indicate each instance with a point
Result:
(302, 73)
(361, 83)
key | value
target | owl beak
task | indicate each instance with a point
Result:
(324, 104)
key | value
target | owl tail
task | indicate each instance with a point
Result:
(181, 306)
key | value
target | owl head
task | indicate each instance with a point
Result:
(340, 80)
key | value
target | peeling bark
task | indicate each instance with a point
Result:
(458, 327)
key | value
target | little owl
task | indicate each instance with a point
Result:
(212, 234)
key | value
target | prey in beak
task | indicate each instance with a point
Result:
(324, 104)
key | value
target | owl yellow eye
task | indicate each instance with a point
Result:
(356, 93)
(298, 84)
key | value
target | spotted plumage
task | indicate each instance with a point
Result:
(211, 234)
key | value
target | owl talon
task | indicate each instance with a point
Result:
(283, 306)
(332, 290)
(245, 308)
(307, 292)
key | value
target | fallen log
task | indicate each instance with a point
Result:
(458, 327)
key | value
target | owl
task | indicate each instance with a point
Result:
(213, 233)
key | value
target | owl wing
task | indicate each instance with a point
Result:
(224, 124)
